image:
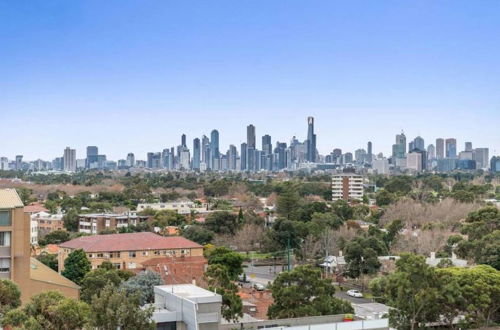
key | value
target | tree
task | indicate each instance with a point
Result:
(399, 184)
(302, 292)
(222, 222)
(70, 220)
(342, 209)
(287, 204)
(143, 285)
(198, 234)
(49, 310)
(413, 292)
(384, 198)
(95, 280)
(361, 255)
(76, 266)
(10, 296)
(114, 309)
(49, 260)
(219, 280)
(55, 237)
(233, 261)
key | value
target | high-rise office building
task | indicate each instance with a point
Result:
(468, 146)
(19, 162)
(481, 156)
(130, 160)
(451, 148)
(399, 148)
(183, 140)
(431, 152)
(92, 153)
(243, 156)
(418, 143)
(267, 147)
(369, 155)
(311, 141)
(232, 158)
(205, 146)
(69, 159)
(196, 154)
(214, 149)
(251, 137)
(495, 164)
(440, 148)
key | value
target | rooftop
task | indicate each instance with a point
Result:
(35, 208)
(129, 242)
(42, 273)
(9, 199)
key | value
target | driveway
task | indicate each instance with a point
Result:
(343, 295)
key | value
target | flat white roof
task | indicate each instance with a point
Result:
(186, 291)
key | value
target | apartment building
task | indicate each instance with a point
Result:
(47, 222)
(347, 186)
(129, 251)
(96, 223)
(31, 276)
(181, 207)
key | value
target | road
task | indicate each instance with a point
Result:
(343, 295)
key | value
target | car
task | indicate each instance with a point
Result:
(354, 293)
(259, 287)
(243, 278)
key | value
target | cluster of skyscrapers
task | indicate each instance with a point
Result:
(205, 155)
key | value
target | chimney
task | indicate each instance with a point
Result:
(433, 255)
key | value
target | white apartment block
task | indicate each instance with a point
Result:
(414, 161)
(181, 207)
(347, 186)
(381, 166)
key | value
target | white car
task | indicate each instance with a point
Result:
(355, 293)
(259, 287)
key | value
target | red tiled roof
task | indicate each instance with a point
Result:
(129, 242)
(35, 208)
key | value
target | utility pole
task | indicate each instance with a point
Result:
(288, 254)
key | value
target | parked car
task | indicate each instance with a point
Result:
(243, 278)
(354, 293)
(259, 287)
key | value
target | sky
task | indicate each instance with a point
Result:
(132, 76)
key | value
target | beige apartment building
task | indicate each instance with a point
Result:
(16, 264)
(96, 223)
(130, 250)
(347, 186)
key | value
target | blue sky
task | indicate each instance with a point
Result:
(132, 76)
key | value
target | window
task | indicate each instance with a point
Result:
(117, 265)
(100, 255)
(144, 253)
(5, 218)
(4, 265)
(131, 254)
(5, 238)
(131, 265)
(157, 253)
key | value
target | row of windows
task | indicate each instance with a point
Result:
(133, 254)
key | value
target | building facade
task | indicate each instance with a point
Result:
(347, 186)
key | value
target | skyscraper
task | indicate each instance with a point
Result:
(481, 156)
(251, 136)
(399, 148)
(439, 148)
(19, 162)
(130, 160)
(267, 147)
(214, 150)
(418, 143)
(183, 140)
(468, 146)
(369, 156)
(311, 141)
(69, 160)
(196, 154)
(92, 153)
(232, 156)
(451, 148)
(243, 156)
(205, 148)
(431, 152)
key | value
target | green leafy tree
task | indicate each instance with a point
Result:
(413, 292)
(49, 311)
(342, 209)
(361, 255)
(143, 285)
(95, 280)
(76, 266)
(219, 280)
(70, 220)
(384, 198)
(400, 184)
(115, 309)
(55, 237)
(51, 206)
(302, 292)
(233, 261)
(10, 296)
(222, 222)
(49, 260)
(198, 234)
(25, 195)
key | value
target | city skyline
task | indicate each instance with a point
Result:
(84, 74)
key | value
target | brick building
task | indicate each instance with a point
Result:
(129, 251)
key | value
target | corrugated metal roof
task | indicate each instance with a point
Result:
(9, 199)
